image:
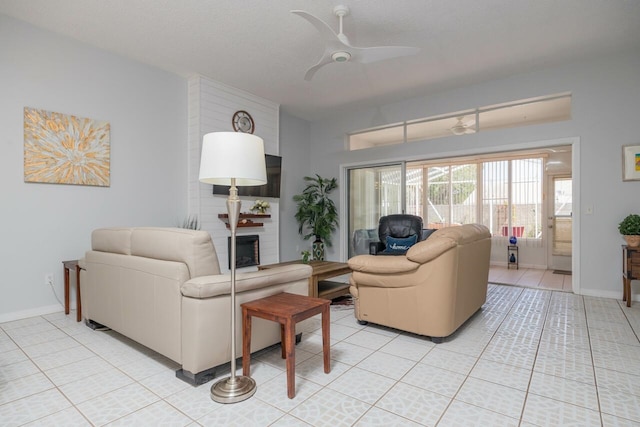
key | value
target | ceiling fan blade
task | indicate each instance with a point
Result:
(368, 55)
(326, 59)
(323, 28)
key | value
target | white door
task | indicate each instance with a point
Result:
(559, 223)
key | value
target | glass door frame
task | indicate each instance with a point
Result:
(348, 233)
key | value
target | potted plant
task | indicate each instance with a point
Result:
(630, 230)
(317, 214)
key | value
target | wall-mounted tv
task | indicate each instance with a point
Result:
(270, 189)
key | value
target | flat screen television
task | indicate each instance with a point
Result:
(270, 189)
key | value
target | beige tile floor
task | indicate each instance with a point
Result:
(530, 357)
(530, 278)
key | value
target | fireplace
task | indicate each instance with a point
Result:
(247, 251)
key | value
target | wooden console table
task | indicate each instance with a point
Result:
(319, 287)
(630, 271)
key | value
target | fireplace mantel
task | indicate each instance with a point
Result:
(246, 219)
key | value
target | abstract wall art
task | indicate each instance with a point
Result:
(65, 149)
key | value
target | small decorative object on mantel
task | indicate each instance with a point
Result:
(630, 230)
(305, 256)
(260, 207)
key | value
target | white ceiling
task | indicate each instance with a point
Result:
(260, 47)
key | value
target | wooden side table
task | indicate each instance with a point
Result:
(68, 265)
(286, 309)
(630, 270)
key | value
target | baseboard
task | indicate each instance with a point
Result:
(32, 312)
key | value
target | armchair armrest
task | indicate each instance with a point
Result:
(429, 249)
(211, 286)
(382, 264)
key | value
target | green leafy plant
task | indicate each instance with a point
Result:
(317, 214)
(191, 223)
(630, 226)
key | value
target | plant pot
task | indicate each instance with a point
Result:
(318, 249)
(632, 241)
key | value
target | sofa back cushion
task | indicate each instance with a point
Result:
(114, 240)
(191, 247)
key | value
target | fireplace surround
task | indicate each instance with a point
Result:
(247, 251)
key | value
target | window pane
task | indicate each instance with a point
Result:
(495, 197)
(544, 111)
(526, 198)
(414, 190)
(463, 194)
(377, 138)
(562, 220)
(438, 209)
(373, 192)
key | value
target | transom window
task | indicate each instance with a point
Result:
(517, 113)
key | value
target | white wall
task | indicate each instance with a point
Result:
(606, 101)
(211, 108)
(44, 224)
(296, 164)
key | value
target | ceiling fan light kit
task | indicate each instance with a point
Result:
(461, 129)
(338, 48)
(341, 56)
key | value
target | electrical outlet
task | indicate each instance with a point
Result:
(48, 279)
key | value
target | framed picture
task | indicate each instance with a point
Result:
(631, 163)
(65, 149)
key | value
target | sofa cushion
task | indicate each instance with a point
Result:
(399, 246)
(115, 240)
(192, 247)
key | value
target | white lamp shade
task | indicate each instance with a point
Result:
(227, 155)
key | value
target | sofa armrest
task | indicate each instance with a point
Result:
(382, 264)
(211, 286)
(429, 249)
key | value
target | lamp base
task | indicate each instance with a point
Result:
(233, 390)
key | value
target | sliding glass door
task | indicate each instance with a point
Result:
(373, 192)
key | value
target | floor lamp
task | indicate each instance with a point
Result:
(234, 159)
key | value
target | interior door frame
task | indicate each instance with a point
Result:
(574, 142)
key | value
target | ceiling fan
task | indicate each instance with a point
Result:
(338, 48)
(461, 128)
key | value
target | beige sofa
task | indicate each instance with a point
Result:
(162, 287)
(431, 290)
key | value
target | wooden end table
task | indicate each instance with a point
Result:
(630, 271)
(319, 287)
(286, 309)
(68, 265)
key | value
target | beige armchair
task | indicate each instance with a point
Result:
(432, 290)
